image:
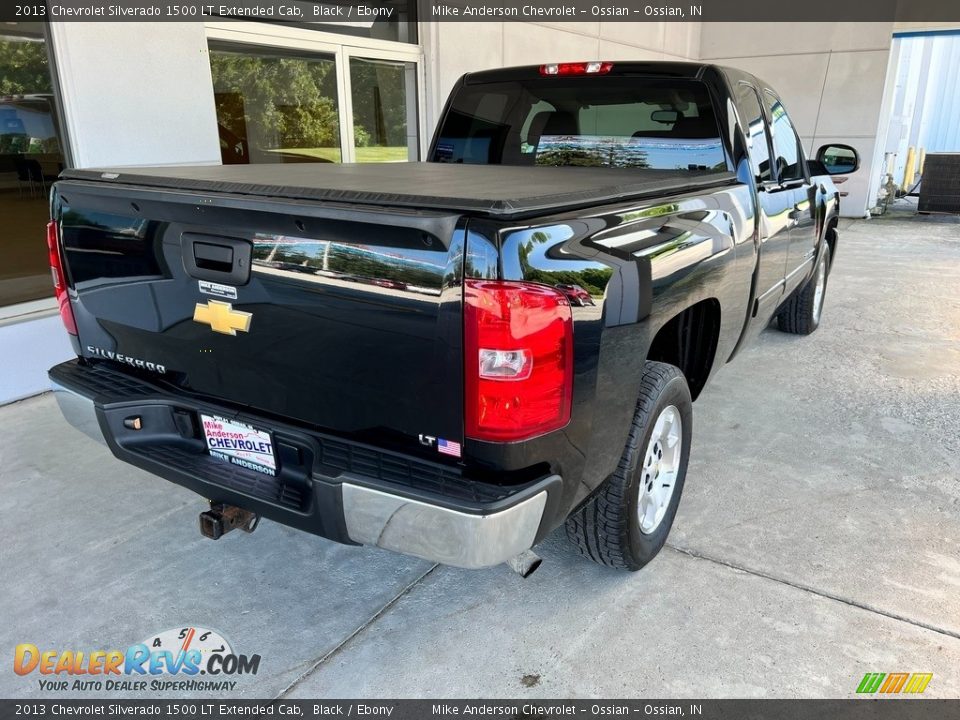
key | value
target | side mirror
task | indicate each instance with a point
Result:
(838, 159)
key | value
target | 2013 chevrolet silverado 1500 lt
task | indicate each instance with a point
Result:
(450, 358)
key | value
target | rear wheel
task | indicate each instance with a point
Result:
(801, 313)
(626, 521)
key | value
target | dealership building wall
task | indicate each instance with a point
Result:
(831, 79)
(142, 93)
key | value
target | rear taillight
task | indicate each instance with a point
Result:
(595, 67)
(518, 344)
(59, 278)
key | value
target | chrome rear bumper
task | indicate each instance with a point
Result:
(484, 536)
(440, 534)
(78, 410)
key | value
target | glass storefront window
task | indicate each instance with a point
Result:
(31, 157)
(278, 105)
(275, 106)
(384, 110)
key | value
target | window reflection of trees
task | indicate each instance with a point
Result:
(389, 268)
(592, 277)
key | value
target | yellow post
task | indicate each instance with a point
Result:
(909, 169)
(923, 158)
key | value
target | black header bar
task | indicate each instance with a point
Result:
(329, 12)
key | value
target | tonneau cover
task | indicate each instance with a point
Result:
(483, 189)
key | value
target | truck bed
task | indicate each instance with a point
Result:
(493, 190)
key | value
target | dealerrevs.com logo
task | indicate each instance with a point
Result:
(181, 659)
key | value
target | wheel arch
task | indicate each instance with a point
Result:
(831, 236)
(689, 341)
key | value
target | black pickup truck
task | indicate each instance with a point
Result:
(450, 358)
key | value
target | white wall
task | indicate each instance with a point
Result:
(454, 48)
(831, 77)
(27, 350)
(136, 93)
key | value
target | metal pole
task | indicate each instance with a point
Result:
(909, 168)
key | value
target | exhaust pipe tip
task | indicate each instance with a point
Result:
(525, 564)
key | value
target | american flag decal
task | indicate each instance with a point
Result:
(448, 447)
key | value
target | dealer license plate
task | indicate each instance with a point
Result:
(239, 443)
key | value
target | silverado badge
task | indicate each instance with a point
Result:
(221, 317)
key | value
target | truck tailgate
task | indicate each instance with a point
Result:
(347, 320)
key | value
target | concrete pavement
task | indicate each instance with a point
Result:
(818, 539)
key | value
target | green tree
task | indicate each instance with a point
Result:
(291, 99)
(379, 102)
(23, 67)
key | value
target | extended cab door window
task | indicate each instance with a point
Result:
(755, 131)
(788, 152)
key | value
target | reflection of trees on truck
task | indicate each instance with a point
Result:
(584, 151)
(591, 278)
(351, 262)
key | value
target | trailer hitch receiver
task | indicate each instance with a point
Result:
(221, 519)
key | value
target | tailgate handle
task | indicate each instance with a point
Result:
(216, 258)
(213, 257)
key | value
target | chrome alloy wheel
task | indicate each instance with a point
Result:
(658, 475)
(819, 288)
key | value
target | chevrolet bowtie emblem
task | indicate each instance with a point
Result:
(221, 317)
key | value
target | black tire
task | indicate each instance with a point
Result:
(801, 315)
(607, 528)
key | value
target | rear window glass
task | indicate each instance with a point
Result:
(588, 122)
